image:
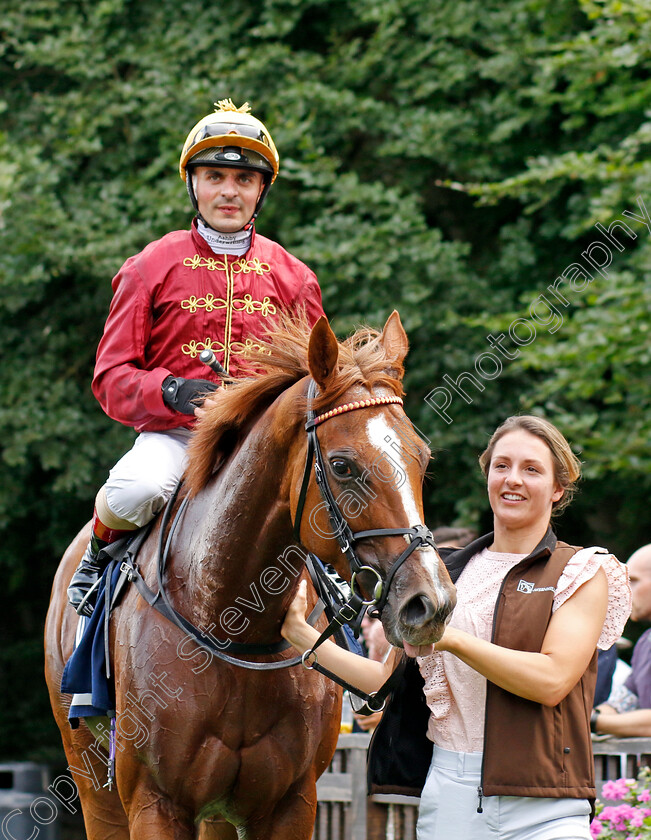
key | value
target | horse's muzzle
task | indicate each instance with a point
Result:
(420, 621)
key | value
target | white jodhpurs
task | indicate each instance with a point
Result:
(449, 801)
(143, 480)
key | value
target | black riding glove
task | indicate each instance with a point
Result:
(184, 395)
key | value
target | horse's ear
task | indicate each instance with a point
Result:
(395, 342)
(322, 353)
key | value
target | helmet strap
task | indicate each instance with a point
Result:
(189, 185)
(258, 206)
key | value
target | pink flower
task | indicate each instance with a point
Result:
(626, 812)
(610, 815)
(596, 827)
(615, 790)
(617, 815)
(607, 813)
(637, 819)
(624, 819)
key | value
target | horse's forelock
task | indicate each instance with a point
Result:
(362, 361)
(280, 362)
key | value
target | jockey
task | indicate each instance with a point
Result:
(216, 286)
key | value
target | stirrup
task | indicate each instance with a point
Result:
(87, 604)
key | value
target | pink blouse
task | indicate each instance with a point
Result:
(455, 693)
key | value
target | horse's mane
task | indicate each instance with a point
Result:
(281, 361)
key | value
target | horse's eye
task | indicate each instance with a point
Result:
(341, 468)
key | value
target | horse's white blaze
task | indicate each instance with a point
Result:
(378, 430)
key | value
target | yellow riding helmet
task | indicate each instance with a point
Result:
(229, 126)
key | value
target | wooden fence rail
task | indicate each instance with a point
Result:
(345, 812)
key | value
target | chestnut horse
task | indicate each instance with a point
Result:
(207, 748)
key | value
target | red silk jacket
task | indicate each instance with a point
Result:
(176, 298)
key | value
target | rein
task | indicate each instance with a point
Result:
(348, 612)
(351, 611)
(161, 603)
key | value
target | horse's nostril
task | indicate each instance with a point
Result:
(417, 611)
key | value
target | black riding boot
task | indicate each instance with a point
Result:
(83, 586)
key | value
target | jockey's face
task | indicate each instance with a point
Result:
(227, 197)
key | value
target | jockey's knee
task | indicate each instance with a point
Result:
(108, 517)
(131, 503)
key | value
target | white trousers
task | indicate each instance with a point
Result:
(144, 478)
(448, 807)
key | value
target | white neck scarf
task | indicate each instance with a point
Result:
(237, 243)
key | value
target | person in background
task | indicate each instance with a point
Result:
(509, 691)
(612, 671)
(217, 287)
(446, 536)
(627, 711)
(606, 665)
(622, 668)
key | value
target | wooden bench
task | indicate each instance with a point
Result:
(345, 812)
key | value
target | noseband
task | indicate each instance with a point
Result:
(350, 612)
(418, 535)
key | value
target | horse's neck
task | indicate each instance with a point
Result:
(236, 532)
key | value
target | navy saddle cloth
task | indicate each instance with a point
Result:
(86, 675)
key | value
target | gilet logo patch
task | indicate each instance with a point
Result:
(527, 588)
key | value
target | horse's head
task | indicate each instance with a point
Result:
(373, 464)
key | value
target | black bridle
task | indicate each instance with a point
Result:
(351, 612)
(418, 535)
(348, 612)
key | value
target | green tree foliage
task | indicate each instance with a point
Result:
(593, 374)
(447, 159)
